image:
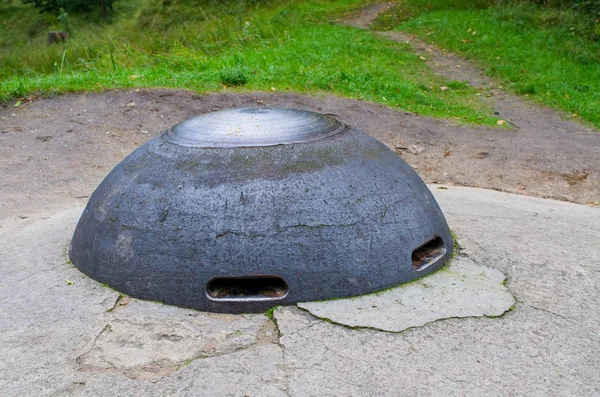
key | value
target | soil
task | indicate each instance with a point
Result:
(58, 149)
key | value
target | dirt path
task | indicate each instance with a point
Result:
(367, 15)
(532, 122)
(58, 149)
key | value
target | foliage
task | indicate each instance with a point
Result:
(233, 77)
(75, 6)
(581, 15)
(589, 6)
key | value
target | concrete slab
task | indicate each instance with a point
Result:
(145, 340)
(54, 340)
(548, 249)
(257, 371)
(526, 352)
(49, 312)
(461, 289)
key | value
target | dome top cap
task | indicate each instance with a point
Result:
(252, 126)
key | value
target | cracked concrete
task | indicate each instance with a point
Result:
(145, 340)
(62, 334)
(523, 353)
(461, 289)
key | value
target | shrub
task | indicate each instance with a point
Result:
(57, 6)
(589, 6)
(233, 77)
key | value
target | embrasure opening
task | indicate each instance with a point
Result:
(252, 288)
(428, 253)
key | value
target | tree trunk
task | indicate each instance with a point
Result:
(103, 7)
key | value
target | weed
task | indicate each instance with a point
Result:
(270, 313)
(112, 59)
(526, 89)
(17, 90)
(456, 248)
(233, 77)
(458, 85)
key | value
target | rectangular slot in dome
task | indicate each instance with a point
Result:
(251, 288)
(428, 253)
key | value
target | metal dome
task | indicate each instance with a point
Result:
(241, 210)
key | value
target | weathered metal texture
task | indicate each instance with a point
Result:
(264, 213)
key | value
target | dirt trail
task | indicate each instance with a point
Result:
(365, 17)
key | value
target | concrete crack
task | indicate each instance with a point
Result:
(545, 311)
(103, 330)
(317, 226)
(226, 233)
(284, 366)
(241, 234)
(371, 328)
(117, 301)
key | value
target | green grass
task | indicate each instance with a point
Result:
(271, 312)
(207, 46)
(550, 55)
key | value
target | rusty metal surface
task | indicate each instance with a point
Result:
(338, 214)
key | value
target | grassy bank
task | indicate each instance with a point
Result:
(549, 54)
(207, 46)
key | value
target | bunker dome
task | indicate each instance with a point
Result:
(244, 209)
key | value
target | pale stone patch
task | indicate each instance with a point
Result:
(461, 289)
(147, 339)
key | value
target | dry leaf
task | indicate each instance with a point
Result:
(500, 122)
